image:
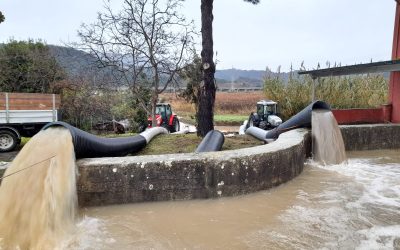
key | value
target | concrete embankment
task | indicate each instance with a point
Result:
(192, 176)
(370, 137)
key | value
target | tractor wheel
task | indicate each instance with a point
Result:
(263, 125)
(8, 141)
(166, 127)
(175, 127)
(253, 121)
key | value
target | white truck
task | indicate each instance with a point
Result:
(23, 115)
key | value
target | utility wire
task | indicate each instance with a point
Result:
(28, 167)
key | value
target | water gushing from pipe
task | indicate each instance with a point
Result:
(38, 204)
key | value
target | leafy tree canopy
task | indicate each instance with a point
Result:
(252, 1)
(192, 74)
(28, 66)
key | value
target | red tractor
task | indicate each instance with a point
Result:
(165, 118)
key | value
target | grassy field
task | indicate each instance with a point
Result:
(230, 119)
(230, 108)
(189, 142)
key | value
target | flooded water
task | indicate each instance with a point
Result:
(327, 142)
(354, 206)
(38, 200)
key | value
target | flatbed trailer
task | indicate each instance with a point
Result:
(24, 115)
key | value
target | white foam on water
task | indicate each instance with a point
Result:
(380, 237)
(351, 206)
(91, 233)
(375, 207)
(381, 181)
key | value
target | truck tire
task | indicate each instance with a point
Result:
(175, 127)
(8, 141)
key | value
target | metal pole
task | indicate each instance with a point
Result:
(7, 109)
(54, 108)
(394, 85)
(313, 90)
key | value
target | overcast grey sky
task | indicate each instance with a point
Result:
(246, 36)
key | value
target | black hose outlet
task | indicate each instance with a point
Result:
(300, 120)
(87, 145)
(213, 141)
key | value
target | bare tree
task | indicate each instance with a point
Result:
(144, 44)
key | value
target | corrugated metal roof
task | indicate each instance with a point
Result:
(376, 67)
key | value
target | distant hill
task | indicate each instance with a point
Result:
(236, 74)
(76, 61)
(246, 77)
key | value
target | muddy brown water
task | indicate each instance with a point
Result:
(353, 206)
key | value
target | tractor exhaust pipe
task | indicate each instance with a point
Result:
(212, 142)
(300, 120)
(87, 145)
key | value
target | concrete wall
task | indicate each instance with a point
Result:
(105, 181)
(369, 137)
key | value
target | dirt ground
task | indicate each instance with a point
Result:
(227, 129)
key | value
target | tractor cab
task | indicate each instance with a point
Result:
(266, 108)
(266, 116)
(165, 118)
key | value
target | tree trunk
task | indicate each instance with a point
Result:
(154, 98)
(153, 111)
(205, 113)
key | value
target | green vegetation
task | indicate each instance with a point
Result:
(84, 105)
(227, 120)
(28, 66)
(24, 140)
(340, 92)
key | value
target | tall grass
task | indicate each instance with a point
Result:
(367, 91)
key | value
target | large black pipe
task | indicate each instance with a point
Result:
(300, 120)
(89, 146)
(212, 142)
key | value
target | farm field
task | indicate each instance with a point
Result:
(230, 108)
